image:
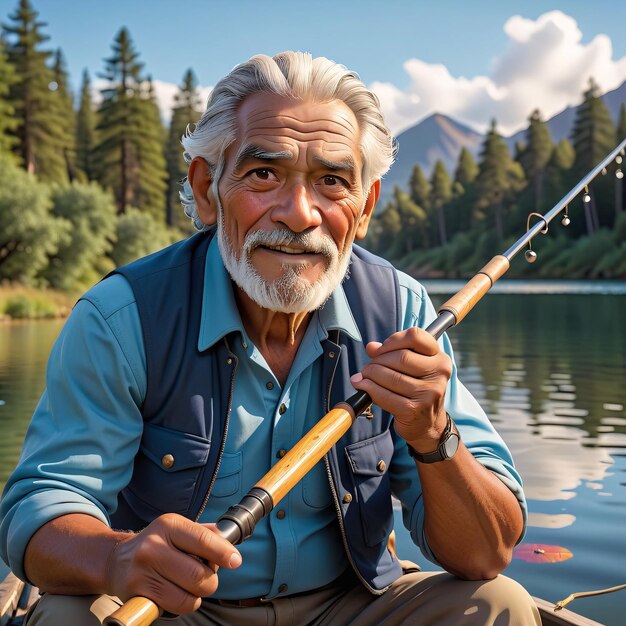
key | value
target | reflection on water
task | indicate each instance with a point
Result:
(24, 348)
(549, 369)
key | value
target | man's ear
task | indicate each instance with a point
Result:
(368, 210)
(200, 179)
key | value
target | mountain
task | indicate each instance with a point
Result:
(561, 124)
(436, 137)
(441, 137)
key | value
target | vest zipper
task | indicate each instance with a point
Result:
(333, 490)
(220, 454)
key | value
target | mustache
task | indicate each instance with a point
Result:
(312, 243)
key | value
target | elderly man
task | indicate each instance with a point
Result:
(182, 378)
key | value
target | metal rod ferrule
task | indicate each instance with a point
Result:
(238, 523)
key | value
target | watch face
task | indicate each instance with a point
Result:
(451, 445)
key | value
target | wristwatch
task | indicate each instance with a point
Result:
(448, 445)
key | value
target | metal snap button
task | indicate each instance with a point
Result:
(381, 466)
(167, 460)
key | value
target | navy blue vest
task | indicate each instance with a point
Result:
(187, 403)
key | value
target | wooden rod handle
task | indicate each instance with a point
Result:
(137, 611)
(307, 452)
(277, 482)
(462, 302)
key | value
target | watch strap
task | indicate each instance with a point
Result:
(440, 453)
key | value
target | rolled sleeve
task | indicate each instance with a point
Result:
(477, 432)
(79, 448)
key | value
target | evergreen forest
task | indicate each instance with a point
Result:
(448, 225)
(91, 181)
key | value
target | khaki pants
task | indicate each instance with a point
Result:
(416, 599)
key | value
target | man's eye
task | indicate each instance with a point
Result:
(333, 180)
(263, 173)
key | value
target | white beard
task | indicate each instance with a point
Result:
(290, 293)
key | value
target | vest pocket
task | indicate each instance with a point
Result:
(167, 468)
(369, 461)
(315, 489)
(228, 479)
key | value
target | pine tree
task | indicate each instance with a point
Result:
(619, 182)
(557, 171)
(129, 152)
(185, 111)
(8, 122)
(593, 138)
(535, 155)
(419, 188)
(440, 194)
(152, 181)
(85, 129)
(39, 131)
(66, 116)
(466, 169)
(498, 177)
(390, 226)
(413, 219)
(621, 124)
(593, 131)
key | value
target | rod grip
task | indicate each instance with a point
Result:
(136, 611)
(462, 302)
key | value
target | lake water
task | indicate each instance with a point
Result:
(547, 360)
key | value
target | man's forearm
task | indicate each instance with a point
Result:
(472, 519)
(71, 554)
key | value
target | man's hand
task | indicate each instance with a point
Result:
(472, 520)
(173, 561)
(407, 376)
(77, 554)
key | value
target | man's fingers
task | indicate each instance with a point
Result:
(203, 541)
(416, 339)
(187, 572)
(169, 596)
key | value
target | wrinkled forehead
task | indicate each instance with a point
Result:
(272, 121)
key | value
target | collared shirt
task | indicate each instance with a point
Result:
(86, 430)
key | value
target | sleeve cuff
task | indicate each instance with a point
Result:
(35, 511)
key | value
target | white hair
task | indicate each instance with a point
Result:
(295, 75)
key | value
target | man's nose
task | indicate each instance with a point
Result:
(299, 211)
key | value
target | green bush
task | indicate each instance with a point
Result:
(19, 307)
(92, 214)
(139, 234)
(29, 234)
(22, 307)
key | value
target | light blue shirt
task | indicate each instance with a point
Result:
(79, 449)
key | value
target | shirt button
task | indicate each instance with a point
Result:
(381, 466)
(229, 361)
(283, 588)
(167, 460)
(270, 385)
(281, 453)
(281, 409)
(347, 498)
(280, 514)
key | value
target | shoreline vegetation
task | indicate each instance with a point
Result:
(18, 302)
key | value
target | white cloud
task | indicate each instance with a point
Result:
(545, 65)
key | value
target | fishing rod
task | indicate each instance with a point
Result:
(238, 523)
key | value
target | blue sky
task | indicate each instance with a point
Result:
(375, 38)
